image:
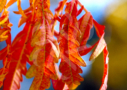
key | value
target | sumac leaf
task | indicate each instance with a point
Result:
(2, 4)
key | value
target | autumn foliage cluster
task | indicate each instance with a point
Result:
(36, 45)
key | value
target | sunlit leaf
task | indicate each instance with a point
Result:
(10, 2)
(36, 45)
(2, 4)
(101, 45)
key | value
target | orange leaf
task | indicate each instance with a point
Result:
(20, 9)
(25, 11)
(2, 4)
(60, 6)
(44, 65)
(45, 51)
(22, 20)
(70, 58)
(4, 35)
(36, 45)
(10, 3)
(70, 73)
(30, 1)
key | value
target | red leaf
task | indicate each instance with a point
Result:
(17, 64)
(83, 50)
(60, 6)
(3, 53)
(105, 75)
(3, 72)
(36, 42)
(100, 32)
(99, 28)
(22, 20)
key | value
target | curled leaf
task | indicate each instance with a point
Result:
(100, 32)
(101, 45)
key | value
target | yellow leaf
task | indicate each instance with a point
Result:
(2, 4)
(4, 35)
(31, 72)
(2, 77)
(55, 52)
